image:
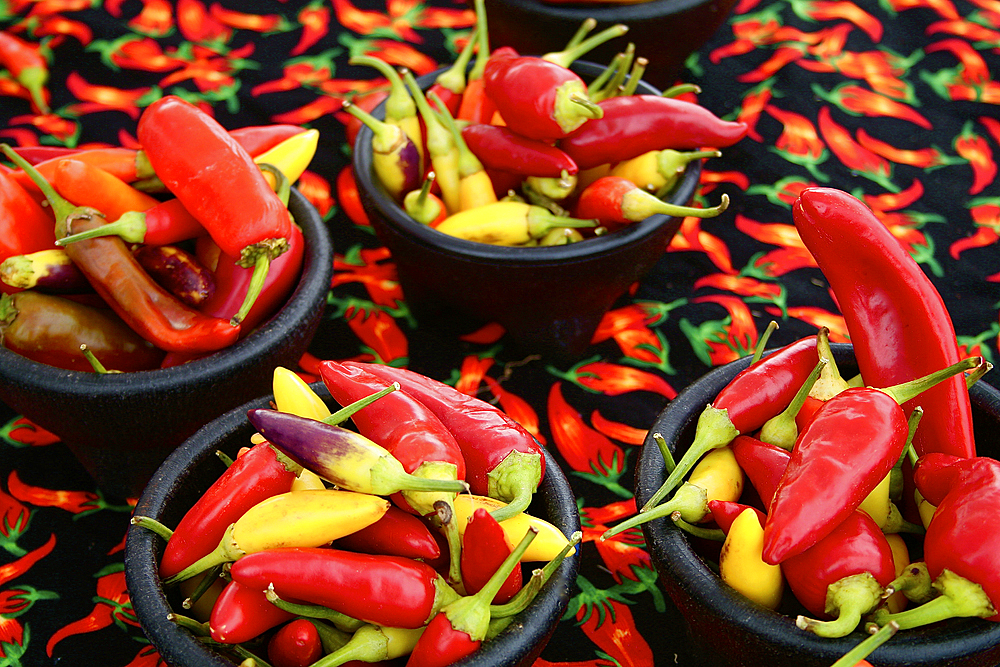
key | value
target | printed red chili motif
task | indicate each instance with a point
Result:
(898, 323)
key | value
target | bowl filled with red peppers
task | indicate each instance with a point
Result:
(127, 323)
(363, 525)
(556, 195)
(831, 504)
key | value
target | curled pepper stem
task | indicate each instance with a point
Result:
(340, 620)
(681, 89)
(713, 534)
(259, 256)
(959, 598)
(850, 598)
(914, 582)
(691, 501)
(714, 430)
(204, 583)
(867, 646)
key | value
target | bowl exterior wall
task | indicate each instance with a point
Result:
(665, 32)
(724, 627)
(122, 426)
(193, 467)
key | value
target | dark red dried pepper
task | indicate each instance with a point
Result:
(899, 325)
(218, 182)
(635, 124)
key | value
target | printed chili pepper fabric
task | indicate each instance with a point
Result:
(895, 102)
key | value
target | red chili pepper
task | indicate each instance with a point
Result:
(899, 325)
(255, 476)
(232, 281)
(484, 548)
(123, 163)
(615, 200)
(961, 546)
(25, 227)
(507, 465)
(756, 394)
(384, 590)
(841, 576)
(724, 512)
(537, 98)
(295, 644)
(853, 442)
(935, 474)
(763, 464)
(476, 105)
(27, 66)
(164, 223)
(87, 185)
(503, 149)
(50, 329)
(257, 139)
(459, 629)
(232, 198)
(242, 613)
(635, 124)
(397, 533)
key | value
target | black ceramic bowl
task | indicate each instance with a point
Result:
(192, 468)
(122, 426)
(725, 627)
(665, 32)
(549, 299)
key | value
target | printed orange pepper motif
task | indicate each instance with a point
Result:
(852, 154)
(384, 341)
(821, 10)
(630, 435)
(60, 27)
(156, 18)
(316, 189)
(976, 150)
(754, 103)
(584, 449)
(863, 102)
(370, 268)
(622, 554)
(943, 7)
(14, 519)
(986, 215)
(20, 431)
(818, 317)
(262, 23)
(721, 341)
(612, 379)
(471, 373)
(613, 630)
(197, 24)
(923, 158)
(113, 606)
(74, 502)
(94, 98)
(516, 408)
(691, 236)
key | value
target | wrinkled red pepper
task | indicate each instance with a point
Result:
(898, 323)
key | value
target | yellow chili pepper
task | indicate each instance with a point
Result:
(742, 567)
(925, 509)
(475, 188)
(292, 394)
(375, 643)
(440, 146)
(901, 559)
(877, 503)
(506, 223)
(548, 543)
(400, 109)
(658, 171)
(292, 155)
(717, 476)
(294, 519)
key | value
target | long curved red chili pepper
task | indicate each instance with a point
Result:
(899, 325)
(164, 223)
(615, 201)
(484, 549)
(397, 533)
(258, 474)
(856, 560)
(25, 227)
(193, 155)
(537, 98)
(756, 394)
(384, 590)
(501, 148)
(502, 459)
(123, 163)
(635, 124)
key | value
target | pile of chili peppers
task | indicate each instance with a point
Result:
(519, 150)
(116, 259)
(866, 498)
(400, 538)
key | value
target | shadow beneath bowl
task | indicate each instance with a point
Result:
(193, 467)
(726, 628)
(122, 426)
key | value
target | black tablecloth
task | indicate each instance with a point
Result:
(895, 102)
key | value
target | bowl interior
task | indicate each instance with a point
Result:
(755, 635)
(192, 468)
(549, 299)
(121, 426)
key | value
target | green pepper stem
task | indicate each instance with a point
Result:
(453, 78)
(514, 481)
(130, 227)
(758, 351)
(204, 583)
(691, 501)
(152, 525)
(681, 89)
(959, 598)
(259, 256)
(781, 429)
(345, 412)
(586, 27)
(867, 646)
(528, 591)
(713, 534)
(851, 598)
(714, 429)
(574, 52)
(902, 393)
(914, 582)
(399, 104)
(341, 621)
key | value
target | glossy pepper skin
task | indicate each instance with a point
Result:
(899, 325)
(163, 223)
(757, 393)
(484, 548)
(397, 533)
(850, 446)
(50, 271)
(295, 644)
(537, 98)
(242, 613)
(217, 180)
(384, 590)
(634, 124)
(398, 422)
(87, 185)
(501, 148)
(25, 227)
(49, 329)
(502, 459)
(256, 475)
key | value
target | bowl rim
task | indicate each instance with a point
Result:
(675, 558)
(177, 645)
(311, 288)
(393, 216)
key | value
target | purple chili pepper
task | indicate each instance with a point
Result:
(395, 157)
(50, 271)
